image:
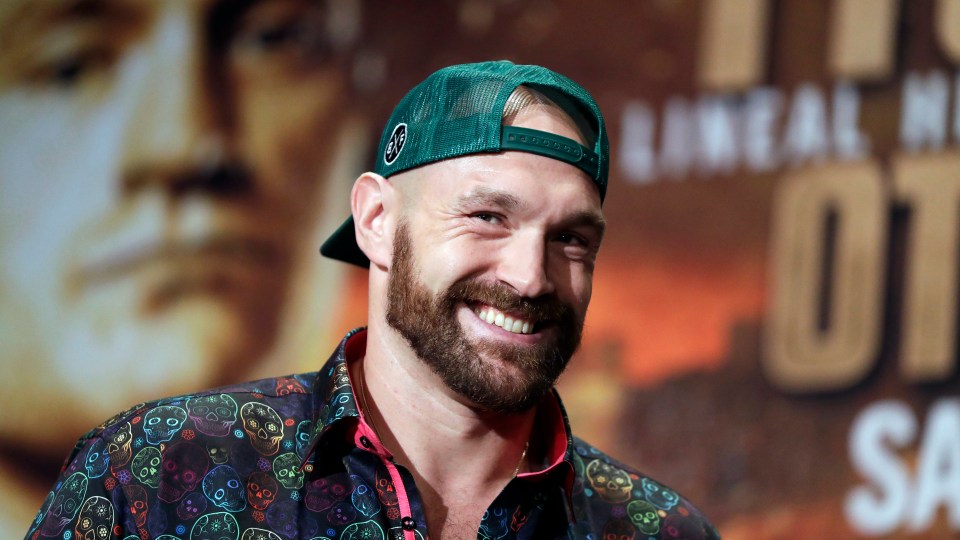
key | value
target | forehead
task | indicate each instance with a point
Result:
(518, 182)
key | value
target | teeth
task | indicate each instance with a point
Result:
(510, 324)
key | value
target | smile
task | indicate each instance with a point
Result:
(510, 323)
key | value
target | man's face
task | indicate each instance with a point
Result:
(157, 162)
(492, 270)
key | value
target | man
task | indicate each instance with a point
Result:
(480, 228)
(159, 177)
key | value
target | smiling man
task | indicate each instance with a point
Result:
(480, 227)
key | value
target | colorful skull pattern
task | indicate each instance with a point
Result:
(219, 453)
(396, 533)
(243, 464)
(65, 505)
(493, 525)
(287, 470)
(264, 427)
(98, 460)
(341, 378)
(386, 490)
(644, 516)
(192, 505)
(95, 521)
(138, 504)
(213, 415)
(223, 488)
(365, 530)
(341, 514)
(304, 432)
(259, 534)
(612, 484)
(120, 446)
(661, 497)
(146, 466)
(619, 529)
(324, 493)
(261, 490)
(183, 466)
(217, 526)
(161, 423)
(364, 498)
(288, 385)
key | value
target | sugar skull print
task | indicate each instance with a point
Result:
(146, 466)
(264, 427)
(661, 497)
(95, 521)
(611, 483)
(222, 487)
(183, 465)
(161, 423)
(65, 505)
(213, 415)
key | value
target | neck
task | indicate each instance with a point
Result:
(450, 447)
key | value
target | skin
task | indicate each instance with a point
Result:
(158, 173)
(525, 221)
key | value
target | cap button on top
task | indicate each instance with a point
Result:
(408, 523)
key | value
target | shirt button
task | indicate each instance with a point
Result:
(408, 523)
(365, 441)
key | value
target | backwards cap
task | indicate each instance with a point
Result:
(458, 111)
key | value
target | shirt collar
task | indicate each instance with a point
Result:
(333, 398)
(335, 403)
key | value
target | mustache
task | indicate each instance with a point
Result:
(543, 309)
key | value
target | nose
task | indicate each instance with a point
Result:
(175, 129)
(523, 265)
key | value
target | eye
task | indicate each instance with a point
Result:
(571, 239)
(488, 217)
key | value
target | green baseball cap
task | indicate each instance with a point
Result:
(458, 111)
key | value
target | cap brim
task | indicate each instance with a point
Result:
(342, 245)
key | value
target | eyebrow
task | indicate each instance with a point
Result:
(590, 219)
(486, 196)
(483, 195)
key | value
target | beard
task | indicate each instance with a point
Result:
(429, 323)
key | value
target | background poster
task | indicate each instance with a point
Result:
(775, 306)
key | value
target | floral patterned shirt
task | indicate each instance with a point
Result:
(291, 458)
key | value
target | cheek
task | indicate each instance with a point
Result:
(574, 283)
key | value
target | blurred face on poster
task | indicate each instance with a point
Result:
(158, 166)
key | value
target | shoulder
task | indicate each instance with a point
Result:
(613, 499)
(201, 418)
(158, 452)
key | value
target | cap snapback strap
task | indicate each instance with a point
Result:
(550, 145)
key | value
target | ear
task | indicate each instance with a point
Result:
(369, 202)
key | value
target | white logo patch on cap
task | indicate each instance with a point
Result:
(395, 143)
